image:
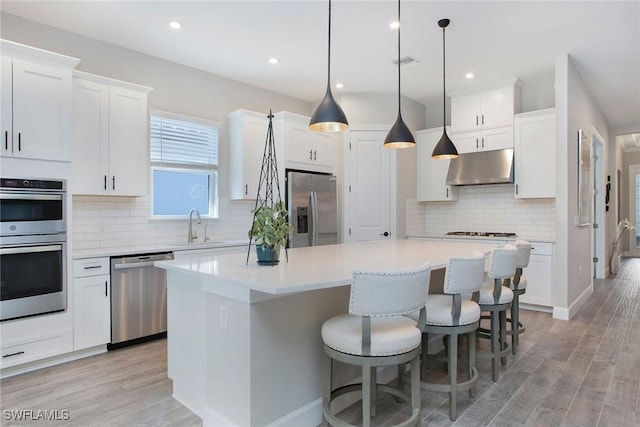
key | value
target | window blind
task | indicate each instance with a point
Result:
(179, 142)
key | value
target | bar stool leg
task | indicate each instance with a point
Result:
(471, 359)
(326, 385)
(515, 323)
(453, 375)
(494, 346)
(503, 335)
(374, 390)
(366, 395)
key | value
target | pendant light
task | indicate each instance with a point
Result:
(399, 136)
(445, 148)
(328, 117)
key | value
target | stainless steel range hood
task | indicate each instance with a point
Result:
(482, 167)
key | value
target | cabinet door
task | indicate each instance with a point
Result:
(497, 107)
(467, 142)
(535, 171)
(465, 112)
(92, 316)
(90, 137)
(247, 137)
(41, 111)
(432, 173)
(6, 115)
(496, 139)
(323, 146)
(539, 277)
(299, 146)
(128, 143)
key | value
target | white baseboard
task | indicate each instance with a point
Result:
(534, 307)
(563, 313)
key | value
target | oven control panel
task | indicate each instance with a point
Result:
(39, 184)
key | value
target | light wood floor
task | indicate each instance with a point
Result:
(585, 372)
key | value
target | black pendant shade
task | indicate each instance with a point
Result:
(328, 117)
(399, 136)
(445, 149)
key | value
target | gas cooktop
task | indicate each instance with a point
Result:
(481, 234)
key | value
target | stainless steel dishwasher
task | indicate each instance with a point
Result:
(138, 299)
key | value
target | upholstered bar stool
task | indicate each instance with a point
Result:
(376, 333)
(452, 316)
(496, 299)
(519, 286)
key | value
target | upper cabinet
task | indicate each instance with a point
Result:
(535, 154)
(432, 173)
(110, 137)
(36, 103)
(305, 149)
(484, 140)
(486, 107)
(247, 137)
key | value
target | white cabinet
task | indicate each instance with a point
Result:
(91, 302)
(36, 103)
(432, 173)
(539, 275)
(484, 140)
(247, 138)
(110, 137)
(305, 149)
(485, 107)
(535, 154)
(28, 350)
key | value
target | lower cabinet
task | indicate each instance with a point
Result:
(91, 303)
(29, 350)
(539, 275)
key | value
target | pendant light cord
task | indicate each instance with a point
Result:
(444, 88)
(399, 25)
(329, 51)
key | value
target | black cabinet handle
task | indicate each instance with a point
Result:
(483, 142)
(105, 182)
(246, 189)
(476, 120)
(310, 154)
(13, 354)
(105, 288)
(113, 182)
(91, 267)
(6, 139)
(516, 188)
(19, 141)
(315, 154)
(447, 193)
(483, 119)
(476, 143)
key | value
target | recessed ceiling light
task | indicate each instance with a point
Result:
(273, 60)
(339, 85)
(394, 25)
(175, 25)
(469, 75)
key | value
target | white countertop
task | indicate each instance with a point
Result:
(321, 267)
(148, 249)
(477, 238)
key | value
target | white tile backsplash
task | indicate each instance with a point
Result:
(484, 208)
(106, 222)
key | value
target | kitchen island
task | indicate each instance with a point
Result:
(244, 345)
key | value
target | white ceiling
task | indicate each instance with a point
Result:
(495, 40)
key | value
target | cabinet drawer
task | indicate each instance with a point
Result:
(541, 248)
(90, 267)
(34, 350)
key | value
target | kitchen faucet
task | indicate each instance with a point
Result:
(192, 233)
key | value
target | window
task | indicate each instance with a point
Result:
(184, 165)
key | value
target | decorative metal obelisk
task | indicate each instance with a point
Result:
(268, 182)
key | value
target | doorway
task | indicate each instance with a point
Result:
(634, 210)
(598, 230)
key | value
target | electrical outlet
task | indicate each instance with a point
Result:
(224, 317)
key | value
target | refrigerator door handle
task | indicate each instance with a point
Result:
(313, 214)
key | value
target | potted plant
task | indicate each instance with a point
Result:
(270, 229)
(614, 261)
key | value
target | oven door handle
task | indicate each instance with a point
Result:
(23, 196)
(30, 249)
(125, 266)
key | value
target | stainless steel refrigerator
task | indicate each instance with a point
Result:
(313, 209)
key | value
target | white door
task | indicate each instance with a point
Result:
(634, 210)
(371, 178)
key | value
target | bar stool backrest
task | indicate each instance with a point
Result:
(464, 274)
(502, 262)
(391, 293)
(524, 253)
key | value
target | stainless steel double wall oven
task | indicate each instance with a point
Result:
(33, 247)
